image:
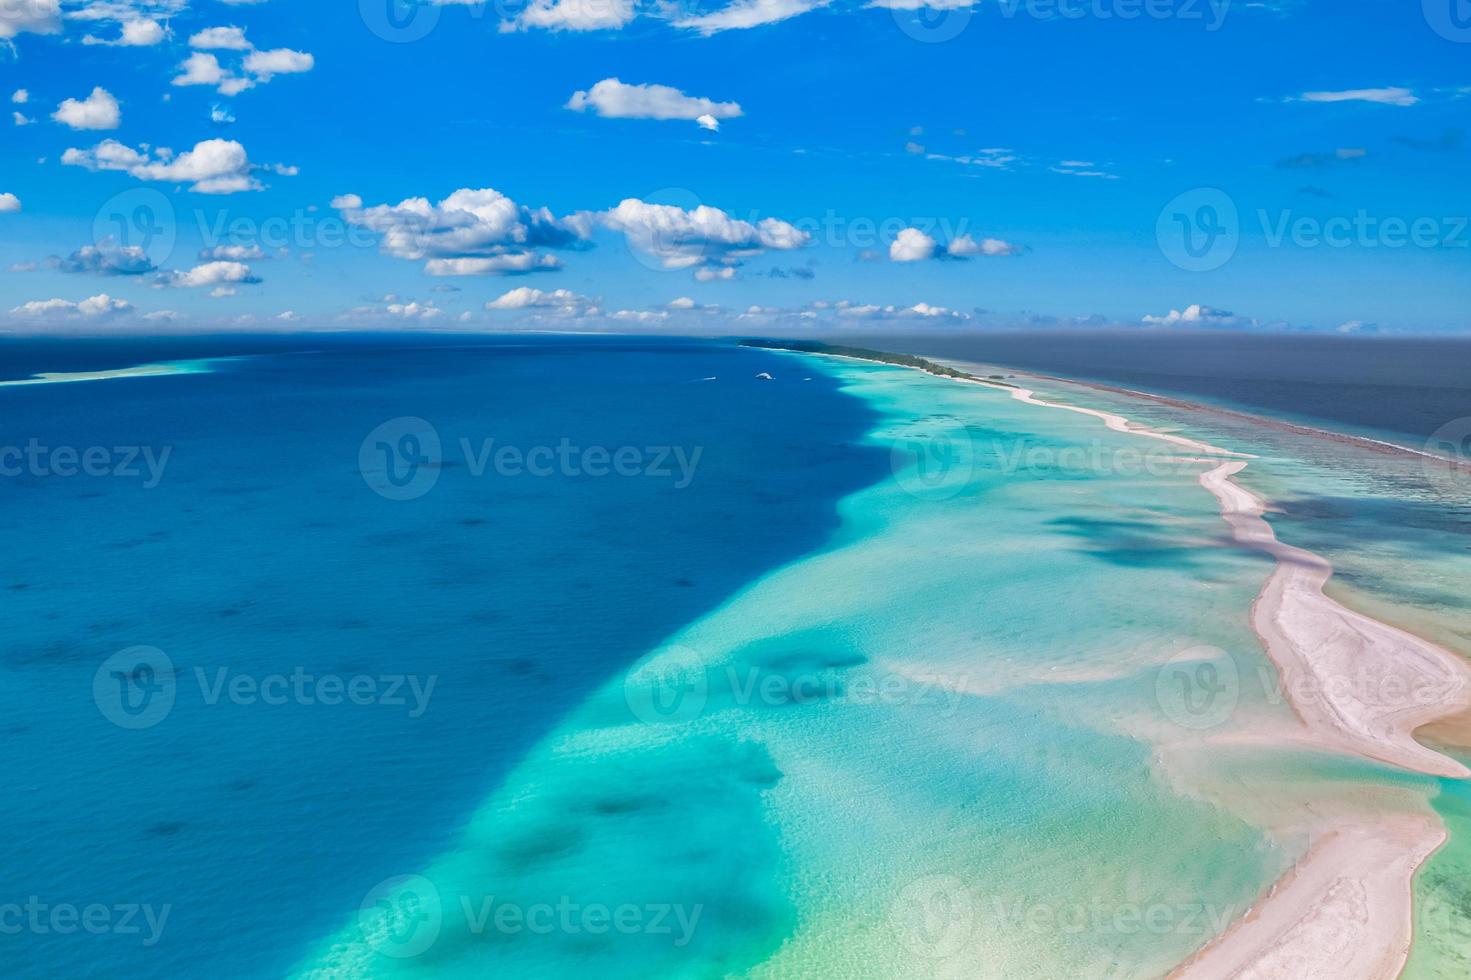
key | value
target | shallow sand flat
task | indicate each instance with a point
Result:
(1343, 911)
(73, 377)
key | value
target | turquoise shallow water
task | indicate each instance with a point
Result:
(913, 680)
(948, 744)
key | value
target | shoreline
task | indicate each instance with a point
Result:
(1346, 909)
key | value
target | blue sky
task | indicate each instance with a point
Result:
(777, 166)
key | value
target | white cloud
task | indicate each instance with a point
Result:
(256, 68)
(748, 13)
(505, 264)
(613, 99)
(138, 32)
(97, 111)
(470, 232)
(21, 119)
(234, 253)
(9, 203)
(93, 306)
(912, 245)
(414, 311)
(106, 260)
(719, 273)
(219, 273)
(212, 167)
(220, 39)
(1383, 96)
(681, 303)
(680, 239)
(966, 247)
(1195, 314)
(21, 97)
(569, 15)
(34, 16)
(264, 65)
(564, 302)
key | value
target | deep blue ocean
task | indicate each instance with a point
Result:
(1404, 390)
(257, 556)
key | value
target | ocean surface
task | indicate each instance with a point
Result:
(892, 676)
(263, 551)
(1405, 390)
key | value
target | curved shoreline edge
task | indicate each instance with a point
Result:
(1346, 909)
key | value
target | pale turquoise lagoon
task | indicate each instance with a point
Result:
(991, 729)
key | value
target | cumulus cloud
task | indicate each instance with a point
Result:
(106, 260)
(29, 16)
(9, 203)
(505, 264)
(719, 273)
(681, 239)
(1382, 96)
(967, 247)
(20, 97)
(569, 15)
(912, 245)
(233, 253)
(97, 111)
(220, 39)
(218, 273)
(743, 14)
(614, 99)
(100, 305)
(1195, 314)
(414, 311)
(470, 232)
(256, 67)
(212, 167)
(563, 302)
(137, 32)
